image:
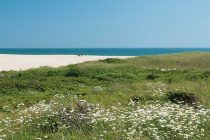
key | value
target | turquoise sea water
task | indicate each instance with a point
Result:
(100, 51)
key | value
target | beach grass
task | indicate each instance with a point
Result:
(146, 97)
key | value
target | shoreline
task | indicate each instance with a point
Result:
(17, 62)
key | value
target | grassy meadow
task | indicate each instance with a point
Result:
(147, 97)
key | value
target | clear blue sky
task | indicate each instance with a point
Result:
(104, 23)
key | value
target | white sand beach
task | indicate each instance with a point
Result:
(24, 62)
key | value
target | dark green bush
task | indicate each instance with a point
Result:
(151, 76)
(113, 60)
(206, 74)
(183, 97)
(136, 99)
(73, 73)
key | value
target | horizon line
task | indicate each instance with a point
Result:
(108, 48)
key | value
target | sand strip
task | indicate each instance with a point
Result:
(24, 62)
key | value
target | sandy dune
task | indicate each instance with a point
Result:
(23, 62)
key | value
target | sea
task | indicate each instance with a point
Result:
(99, 51)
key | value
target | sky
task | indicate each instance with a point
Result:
(104, 23)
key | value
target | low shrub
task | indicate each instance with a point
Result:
(113, 60)
(183, 97)
(206, 74)
(73, 73)
(151, 76)
(137, 99)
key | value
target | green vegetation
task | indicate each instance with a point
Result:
(107, 99)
